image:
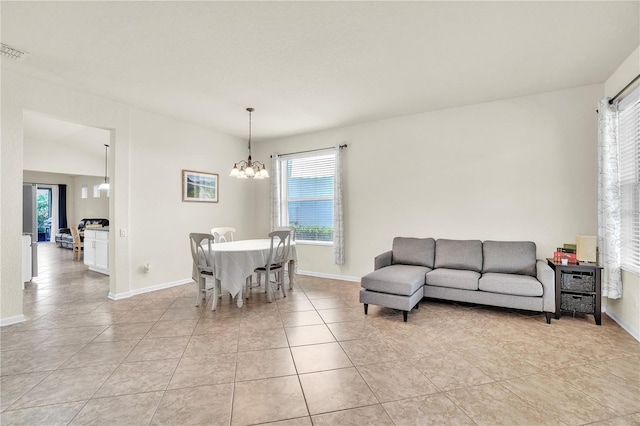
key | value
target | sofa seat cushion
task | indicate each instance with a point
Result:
(396, 279)
(453, 278)
(459, 254)
(509, 257)
(413, 251)
(514, 284)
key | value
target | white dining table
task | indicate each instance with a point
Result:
(234, 261)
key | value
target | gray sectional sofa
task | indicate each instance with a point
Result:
(64, 238)
(497, 273)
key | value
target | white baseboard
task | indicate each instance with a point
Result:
(332, 276)
(100, 270)
(12, 320)
(127, 294)
(625, 325)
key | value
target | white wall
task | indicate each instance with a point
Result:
(31, 176)
(516, 169)
(626, 310)
(160, 221)
(67, 155)
(90, 207)
(19, 94)
(145, 159)
(521, 168)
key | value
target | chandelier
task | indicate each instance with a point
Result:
(250, 168)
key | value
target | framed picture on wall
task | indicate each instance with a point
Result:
(199, 186)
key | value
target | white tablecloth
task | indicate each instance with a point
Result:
(234, 261)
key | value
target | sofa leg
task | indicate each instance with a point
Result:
(366, 308)
(418, 305)
(405, 315)
(548, 315)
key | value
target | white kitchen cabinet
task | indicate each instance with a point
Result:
(96, 250)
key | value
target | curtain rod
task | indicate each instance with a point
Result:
(311, 150)
(612, 100)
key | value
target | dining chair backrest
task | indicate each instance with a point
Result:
(78, 245)
(291, 229)
(200, 258)
(279, 248)
(76, 235)
(223, 234)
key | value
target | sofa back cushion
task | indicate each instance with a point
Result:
(101, 222)
(459, 254)
(509, 257)
(413, 251)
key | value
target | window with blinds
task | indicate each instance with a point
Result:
(629, 146)
(307, 184)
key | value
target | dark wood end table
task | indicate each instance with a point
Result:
(578, 288)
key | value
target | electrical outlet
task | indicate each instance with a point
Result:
(123, 232)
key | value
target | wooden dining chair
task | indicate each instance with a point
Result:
(278, 256)
(223, 234)
(78, 245)
(203, 267)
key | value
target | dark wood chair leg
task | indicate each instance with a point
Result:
(366, 308)
(405, 314)
(418, 305)
(548, 314)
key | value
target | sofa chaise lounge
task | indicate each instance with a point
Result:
(497, 273)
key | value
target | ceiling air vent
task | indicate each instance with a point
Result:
(12, 53)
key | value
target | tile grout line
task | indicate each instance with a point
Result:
(304, 396)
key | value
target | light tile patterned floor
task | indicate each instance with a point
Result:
(312, 358)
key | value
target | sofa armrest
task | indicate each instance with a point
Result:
(382, 260)
(545, 275)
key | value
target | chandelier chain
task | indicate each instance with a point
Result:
(249, 109)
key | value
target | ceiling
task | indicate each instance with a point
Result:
(307, 66)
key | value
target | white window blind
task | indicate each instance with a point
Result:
(629, 146)
(307, 192)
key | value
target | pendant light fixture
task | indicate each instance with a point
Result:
(105, 186)
(250, 168)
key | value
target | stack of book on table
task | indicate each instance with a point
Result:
(567, 251)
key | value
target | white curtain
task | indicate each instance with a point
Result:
(338, 214)
(276, 205)
(609, 200)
